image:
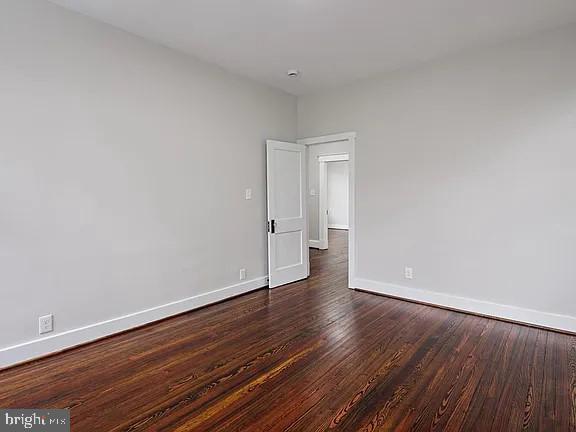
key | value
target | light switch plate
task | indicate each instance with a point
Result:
(248, 194)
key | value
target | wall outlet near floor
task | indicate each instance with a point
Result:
(46, 324)
(409, 273)
(242, 274)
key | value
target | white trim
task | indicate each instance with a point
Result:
(323, 203)
(337, 226)
(512, 313)
(68, 339)
(347, 136)
(352, 246)
(334, 158)
(316, 244)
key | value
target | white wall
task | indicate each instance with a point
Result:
(314, 152)
(122, 173)
(337, 179)
(110, 203)
(466, 171)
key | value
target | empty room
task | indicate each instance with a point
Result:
(312, 215)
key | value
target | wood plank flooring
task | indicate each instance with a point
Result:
(311, 356)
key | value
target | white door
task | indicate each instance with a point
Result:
(287, 221)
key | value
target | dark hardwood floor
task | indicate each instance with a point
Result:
(311, 356)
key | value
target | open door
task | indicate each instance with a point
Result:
(287, 220)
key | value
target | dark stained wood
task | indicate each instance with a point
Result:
(311, 356)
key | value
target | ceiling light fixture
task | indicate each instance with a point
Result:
(293, 73)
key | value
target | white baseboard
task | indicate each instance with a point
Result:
(507, 312)
(316, 244)
(336, 226)
(60, 341)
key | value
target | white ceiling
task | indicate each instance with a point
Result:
(331, 41)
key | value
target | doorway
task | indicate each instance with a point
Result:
(331, 194)
(337, 182)
(297, 180)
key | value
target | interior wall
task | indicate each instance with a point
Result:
(465, 171)
(111, 205)
(314, 152)
(337, 194)
(123, 168)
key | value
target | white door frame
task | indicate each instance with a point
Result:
(351, 138)
(323, 194)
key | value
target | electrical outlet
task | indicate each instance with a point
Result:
(45, 324)
(409, 273)
(242, 274)
(248, 194)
